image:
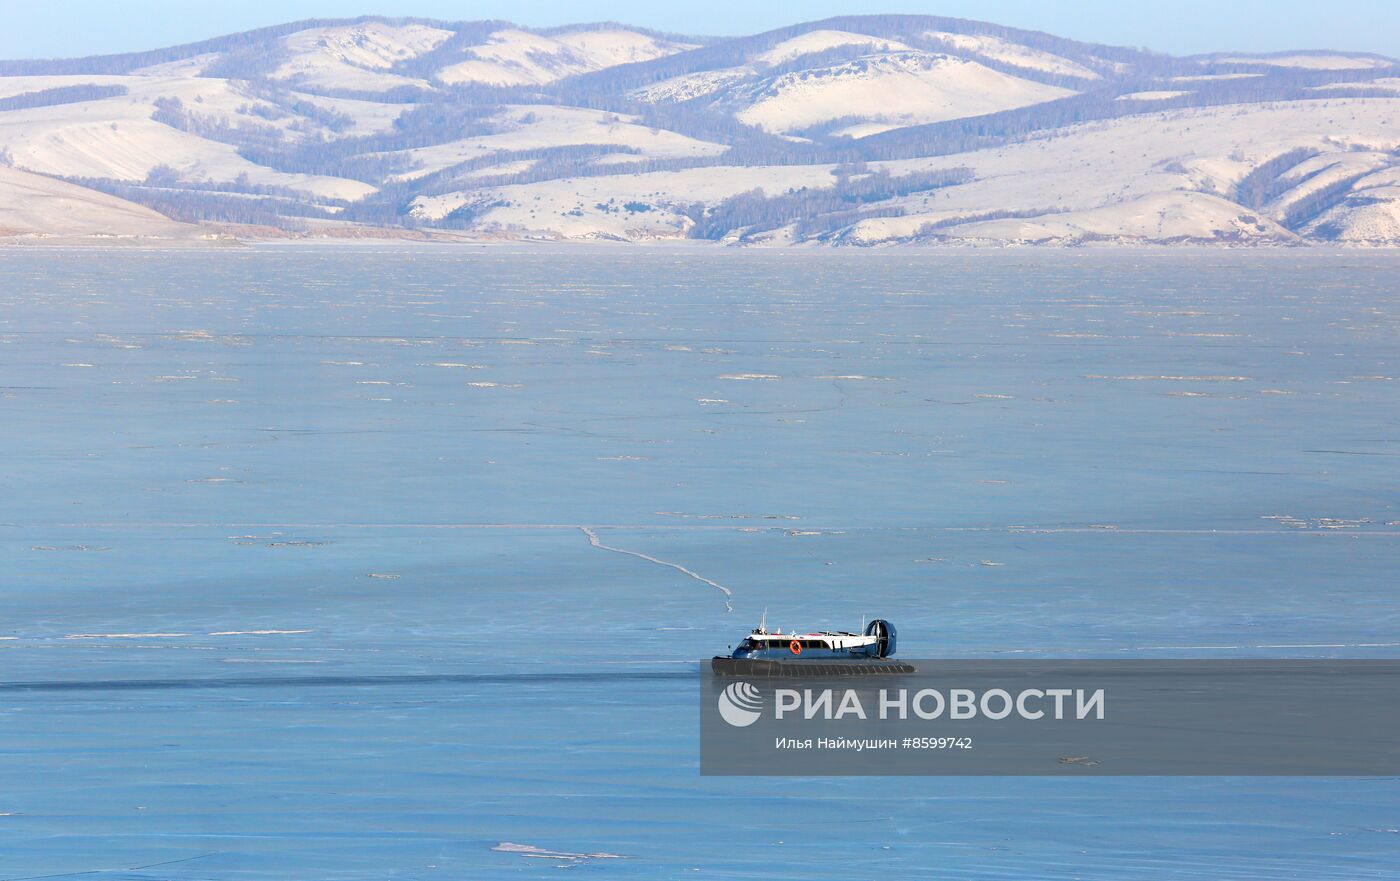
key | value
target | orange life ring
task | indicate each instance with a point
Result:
(795, 647)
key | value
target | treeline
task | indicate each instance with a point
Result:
(249, 62)
(290, 103)
(243, 133)
(247, 43)
(306, 117)
(1267, 183)
(451, 50)
(196, 206)
(129, 61)
(546, 163)
(816, 211)
(1319, 202)
(933, 228)
(334, 158)
(1102, 103)
(909, 29)
(169, 177)
(1093, 64)
(467, 215)
(374, 158)
(1262, 185)
(61, 95)
(390, 203)
(709, 118)
(405, 94)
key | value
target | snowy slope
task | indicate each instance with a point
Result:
(357, 57)
(1157, 218)
(1160, 177)
(1016, 54)
(32, 205)
(517, 57)
(1095, 165)
(900, 88)
(117, 138)
(548, 208)
(690, 85)
(609, 47)
(1312, 176)
(1369, 216)
(539, 126)
(707, 82)
(820, 41)
(1384, 84)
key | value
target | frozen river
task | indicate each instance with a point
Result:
(358, 563)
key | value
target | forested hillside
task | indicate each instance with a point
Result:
(859, 130)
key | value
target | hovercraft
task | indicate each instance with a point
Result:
(825, 652)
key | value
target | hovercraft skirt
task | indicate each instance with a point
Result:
(777, 669)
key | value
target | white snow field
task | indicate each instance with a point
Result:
(821, 40)
(356, 57)
(528, 127)
(36, 207)
(904, 88)
(516, 57)
(1013, 53)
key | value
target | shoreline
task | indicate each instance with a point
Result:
(687, 246)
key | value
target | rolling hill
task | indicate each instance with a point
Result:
(854, 131)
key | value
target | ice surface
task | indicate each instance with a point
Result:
(288, 594)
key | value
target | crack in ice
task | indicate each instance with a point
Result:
(728, 594)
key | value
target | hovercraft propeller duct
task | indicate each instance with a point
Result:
(884, 634)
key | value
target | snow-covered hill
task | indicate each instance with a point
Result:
(855, 131)
(515, 57)
(891, 90)
(35, 208)
(358, 57)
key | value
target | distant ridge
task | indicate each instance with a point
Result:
(860, 130)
